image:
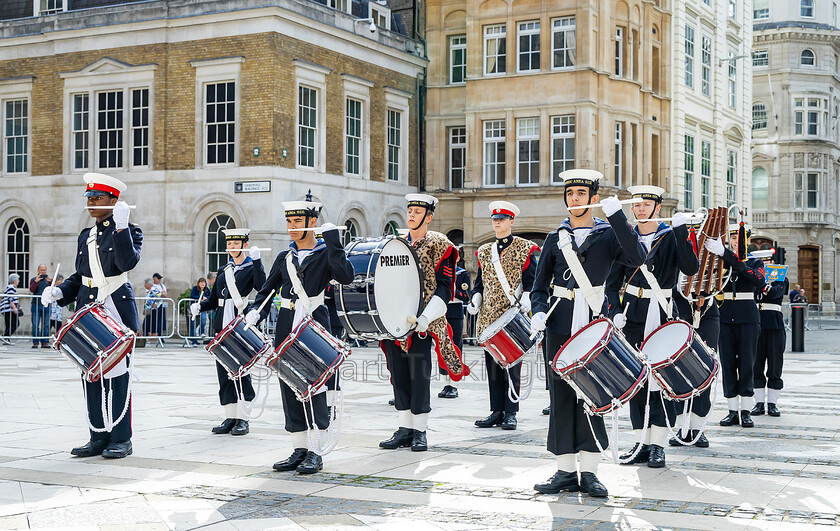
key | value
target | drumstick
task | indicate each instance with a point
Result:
(53, 281)
(106, 207)
(316, 229)
(268, 298)
(598, 205)
(688, 217)
(534, 334)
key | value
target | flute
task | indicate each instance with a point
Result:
(595, 205)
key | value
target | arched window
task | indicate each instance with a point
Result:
(760, 189)
(216, 247)
(17, 250)
(391, 229)
(807, 58)
(351, 232)
(759, 116)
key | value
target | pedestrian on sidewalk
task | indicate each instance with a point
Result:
(198, 293)
(40, 315)
(10, 307)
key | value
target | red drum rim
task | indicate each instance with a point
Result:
(623, 399)
(586, 358)
(93, 374)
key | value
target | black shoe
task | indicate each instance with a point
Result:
(679, 439)
(773, 411)
(758, 409)
(702, 441)
(567, 481)
(641, 457)
(657, 457)
(400, 439)
(444, 391)
(746, 421)
(590, 485)
(293, 460)
(45, 345)
(731, 419)
(90, 449)
(418, 441)
(510, 421)
(547, 410)
(452, 393)
(311, 463)
(240, 428)
(391, 402)
(494, 419)
(118, 450)
(225, 426)
(35, 345)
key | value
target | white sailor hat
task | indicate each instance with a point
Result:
(302, 208)
(581, 177)
(236, 234)
(733, 227)
(763, 254)
(503, 209)
(422, 200)
(100, 184)
(646, 192)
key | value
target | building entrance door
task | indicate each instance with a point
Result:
(809, 272)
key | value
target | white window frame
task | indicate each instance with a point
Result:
(689, 55)
(341, 5)
(761, 13)
(813, 58)
(706, 66)
(563, 128)
(812, 116)
(456, 144)
(220, 254)
(312, 76)
(688, 169)
(493, 33)
(762, 57)
(619, 52)
(731, 175)
(528, 29)
(806, 8)
(705, 173)
(358, 89)
(815, 191)
(565, 26)
(732, 80)
(759, 116)
(457, 43)
(528, 131)
(107, 75)
(12, 250)
(618, 154)
(380, 13)
(798, 116)
(732, 10)
(398, 100)
(39, 11)
(489, 130)
(16, 89)
(212, 71)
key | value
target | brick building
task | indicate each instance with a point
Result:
(212, 111)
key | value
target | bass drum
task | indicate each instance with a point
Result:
(387, 289)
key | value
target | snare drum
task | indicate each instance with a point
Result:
(601, 366)
(508, 338)
(681, 362)
(94, 341)
(307, 358)
(387, 289)
(238, 347)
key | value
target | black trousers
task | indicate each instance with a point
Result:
(770, 355)
(457, 338)
(497, 380)
(411, 374)
(568, 428)
(293, 409)
(227, 388)
(119, 385)
(709, 331)
(738, 344)
(11, 320)
(634, 332)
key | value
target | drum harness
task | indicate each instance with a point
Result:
(513, 296)
(337, 410)
(105, 287)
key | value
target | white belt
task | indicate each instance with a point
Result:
(565, 293)
(641, 293)
(770, 307)
(118, 280)
(743, 296)
(288, 304)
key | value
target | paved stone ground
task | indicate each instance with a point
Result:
(782, 474)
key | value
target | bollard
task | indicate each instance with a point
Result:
(797, 328)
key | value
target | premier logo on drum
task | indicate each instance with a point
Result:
(395, 261)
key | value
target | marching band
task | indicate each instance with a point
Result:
(645, 316)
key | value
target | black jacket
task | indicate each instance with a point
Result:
(455, 308)
(746, 277)
(671, 253)
(771, 319)
(119, 252)
(249, 275)
(606, 243)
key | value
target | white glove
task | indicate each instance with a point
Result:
(422, 324)
(195, 309)
(525, 303)
(254, 253)
(120, 213)
(252, 318)
(327, 227)
(714, 246)
(678, 220)
(610, 205)
(475, 303)
(538, 322)
(619, 320)
(50, 295)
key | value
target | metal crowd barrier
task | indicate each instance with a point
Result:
(196, 332)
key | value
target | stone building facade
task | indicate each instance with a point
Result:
(796, 140)
(212, 112)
